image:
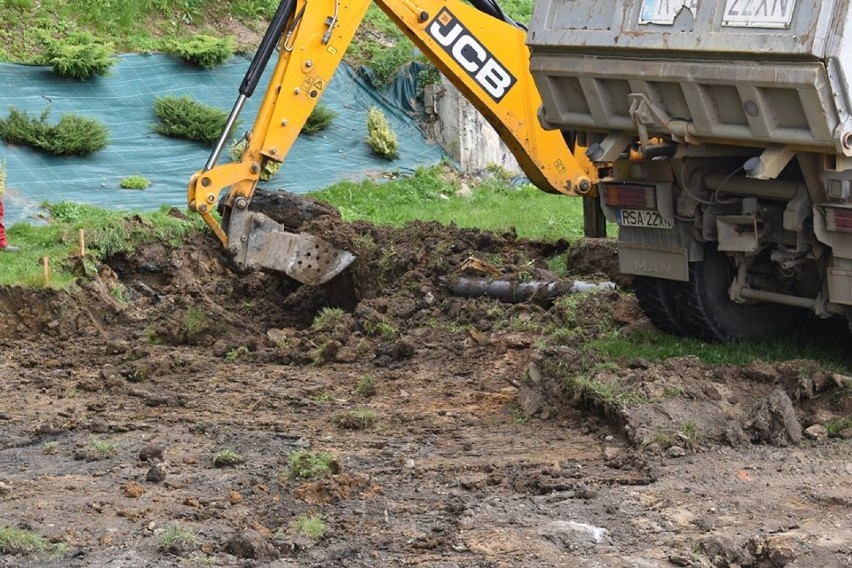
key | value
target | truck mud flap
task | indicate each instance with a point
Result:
(671, 263)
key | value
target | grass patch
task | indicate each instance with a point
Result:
(72, 135)
(330, 320)
(237, 354)
(311, 526)
(312, 465)
(835, 427)
(79, 56)
(176, 539)
(227, 458)
(608, 397)
(102, 448)
(203, 51)
(366, 386)
(15, 541)
(359, 419)
(50, 448)
(195, 320)
(134, 182)
(380, 137)
(320, 118)
(381, 329)
(184, 117)
(429, 195)
(655, 345)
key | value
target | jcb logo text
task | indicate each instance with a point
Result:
(471, 55)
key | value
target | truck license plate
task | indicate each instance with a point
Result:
(758, 13)
(639, 218)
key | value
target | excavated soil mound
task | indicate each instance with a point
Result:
(168, 396)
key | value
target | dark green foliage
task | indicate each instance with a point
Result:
(183, 117)
(73, 135)
(203, 51)
(79, 56)
(320, 119)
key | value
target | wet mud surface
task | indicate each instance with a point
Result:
(465, 432)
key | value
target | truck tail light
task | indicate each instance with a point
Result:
(629, 196)
(839, 219)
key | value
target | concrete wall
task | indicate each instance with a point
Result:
(465, 135)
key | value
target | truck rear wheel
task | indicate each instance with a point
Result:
(658, 299)
(711, 315)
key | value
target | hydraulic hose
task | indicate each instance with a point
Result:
(267, 46)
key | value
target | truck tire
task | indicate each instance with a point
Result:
(658, 299)
(711, 315)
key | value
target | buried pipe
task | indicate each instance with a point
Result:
(513, 291)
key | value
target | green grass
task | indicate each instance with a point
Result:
(176, 539)
(103, 448)
(655, 345)
(15, 541)
(358, 419)
(312, 465)
(143, 26)
(227, 458)
(427, 195)
(107, 233)
(311, 526)
(329, 319)
(835, 427)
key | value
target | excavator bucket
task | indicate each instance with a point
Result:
(258, 242)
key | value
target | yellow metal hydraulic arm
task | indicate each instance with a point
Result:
(485, 58)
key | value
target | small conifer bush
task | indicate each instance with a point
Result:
(204, 51)
(379, 135)
(73, 135)
(270, 167)
(79, 56)
(184, 117)
(320, 119)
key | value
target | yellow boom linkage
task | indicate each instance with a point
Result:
(484, 57)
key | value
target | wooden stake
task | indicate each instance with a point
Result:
(82, 243)
(46, 262)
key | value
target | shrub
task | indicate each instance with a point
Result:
(320, 119)
(270, 167)
(73, 135)
(134, 182)
(379, 135)
(183, 117)
(79, 56)
(204, 51)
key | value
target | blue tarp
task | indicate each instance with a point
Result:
(124, 101)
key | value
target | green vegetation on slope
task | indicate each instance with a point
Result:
(137, 26)
(106, 233)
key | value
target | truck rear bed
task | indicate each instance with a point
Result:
(745, 72)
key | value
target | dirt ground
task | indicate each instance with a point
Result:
(486, 434)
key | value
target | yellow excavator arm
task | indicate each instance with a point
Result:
(484, 56)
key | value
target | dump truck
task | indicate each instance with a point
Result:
(725, 130)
